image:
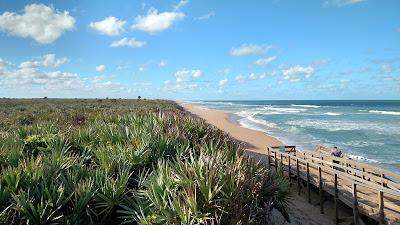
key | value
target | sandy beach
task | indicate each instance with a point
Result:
(257, 142)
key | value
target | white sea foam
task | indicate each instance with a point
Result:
(385, 112)
(306, 106)
(341, 125)
(362, 158)
(333, 114)
(250, 121)
(267, 110)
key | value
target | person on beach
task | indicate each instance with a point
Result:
(336, 152)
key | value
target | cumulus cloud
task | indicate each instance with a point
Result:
(128, 42)
(341, 3)
(250, 49)
(250, 77)
(264, 61)
(100, 68)
(31, 73)
(42, 23)
(155, 22)
(162, 63)
(240, 78)
(180, 4)
(206, 16)
(110, 26)
(185, 75)
(49, 60)
(184, 79)
(297, 73)
(222, 83)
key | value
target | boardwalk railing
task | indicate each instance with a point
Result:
(368, 190)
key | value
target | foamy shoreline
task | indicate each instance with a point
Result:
(253, 140)
(257, 142)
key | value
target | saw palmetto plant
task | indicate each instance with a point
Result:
(126, 162)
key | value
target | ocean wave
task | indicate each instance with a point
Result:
(267, 110)
(249, 120)
(261, 122)
(333, 114)
(385, 112)
(340, 125)
(362, 144)
(306, 106)
(362, 158)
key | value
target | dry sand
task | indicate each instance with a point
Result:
(256, 143)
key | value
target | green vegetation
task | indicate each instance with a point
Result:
(126, 162)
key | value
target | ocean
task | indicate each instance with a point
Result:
(367, 131)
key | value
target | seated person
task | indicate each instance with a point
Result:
(336, 152)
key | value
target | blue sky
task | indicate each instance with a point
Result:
(189, 50)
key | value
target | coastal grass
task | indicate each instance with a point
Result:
(126, 162)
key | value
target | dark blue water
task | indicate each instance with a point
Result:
(368, 131)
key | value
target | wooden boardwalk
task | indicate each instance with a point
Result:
(368, 190)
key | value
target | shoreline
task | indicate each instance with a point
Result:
(255, 144)
(253, 140)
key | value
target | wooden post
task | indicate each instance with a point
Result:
(289, 170)
(269, 160)
(381, 208)
(283, 169)
(383, 177)
(363, 169)
(321, 200)
(336, 201)
(355, 204)
(275, 162)
(308, 183)
(298, 175)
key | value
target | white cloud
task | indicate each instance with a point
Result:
(42, 23)
(253, 76)
(180, 4)
(128, 42)
(155, 22)
(297, 72)
(141, 69)
(30, 73)
(206, 16)
(222, 83)
(341, 3)
(250, 49)
(184, 79)
(185, 75)
(162, 63)
(264, 61)
(49, 60)
(167, 82)
(240, 78)
(100, 68)
(250, 77)
(111, 26)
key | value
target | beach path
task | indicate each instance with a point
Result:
(256, 143)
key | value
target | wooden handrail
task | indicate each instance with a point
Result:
(355, 164)
(364, 185)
